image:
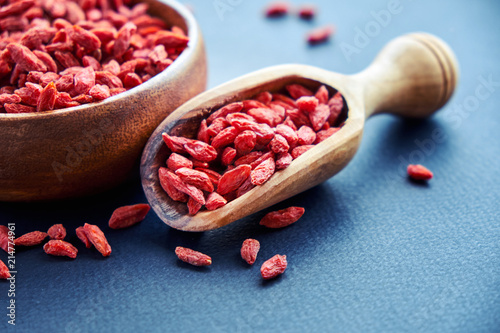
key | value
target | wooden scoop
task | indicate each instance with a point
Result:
(413, 76)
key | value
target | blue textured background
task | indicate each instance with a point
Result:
(373, 253)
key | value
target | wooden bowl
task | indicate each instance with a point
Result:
(89, 148)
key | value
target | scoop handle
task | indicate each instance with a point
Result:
(413, 76)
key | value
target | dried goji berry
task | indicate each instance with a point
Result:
(322, 95)
(282, 218)
(126, 216)
(97, 238)
(325, 134)
(201, 150)
(214, 201)
(47, 99)
(193, 206)
(306, 135)
(283, 161)
(231, 180)
(263, 172)
(319, 116)
(277, 9)
(224, 111)
(178, 184)
(57, 231)
(31, 238)
(307, 12)
(273, 267)
(82, 235)
(60, 248)
(297, 151)
(228, 155)
(195, 178)
(297, 91)
(176, 161)
(320, 35)
(4, 238)
(419, 172)
(225, 137)
(279, 144)
(192, 257)
(245, 142)
(25, 59)
(171, 190)
(4, 271)
(249, 250)
(307, 104)
(175, 143)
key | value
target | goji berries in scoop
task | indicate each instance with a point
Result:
(61, 54)
(242, 144)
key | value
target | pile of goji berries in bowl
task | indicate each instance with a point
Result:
(77, 78)
(211, 157)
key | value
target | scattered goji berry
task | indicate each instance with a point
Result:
(277, 9)
(126, 216)
(249, 250)
(320, 35)
(97, 238)
(4, 271)
(307, 12)
(419, 172)
(82, 235)
(192, 257)
(57, 247)
(31, 238)
(4, 238)
(282, 218)
(273, 267)
(57, 231)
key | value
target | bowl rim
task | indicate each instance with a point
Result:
(193, 33)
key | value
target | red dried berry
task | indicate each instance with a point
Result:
(126, 216)
(273, 267)
(245, 142)
(192, 257)
(97, 238)
(214, 201)
(4, 238)
(176, 161)
(57, 231)
(201, 150)
(307, 12)
(195, 178)
(60, 248)
(320, 35)
(4, 271)
(82, 235)
(31, 238)
(277, 9)
(282, 218)
(172, 191)
(193, 206)
(249, 250)
(231, 180)
(263, 172)
(419, 172)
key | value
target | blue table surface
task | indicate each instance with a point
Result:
(374, 252)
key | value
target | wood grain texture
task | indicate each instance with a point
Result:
(408, 78)
(87, 149)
